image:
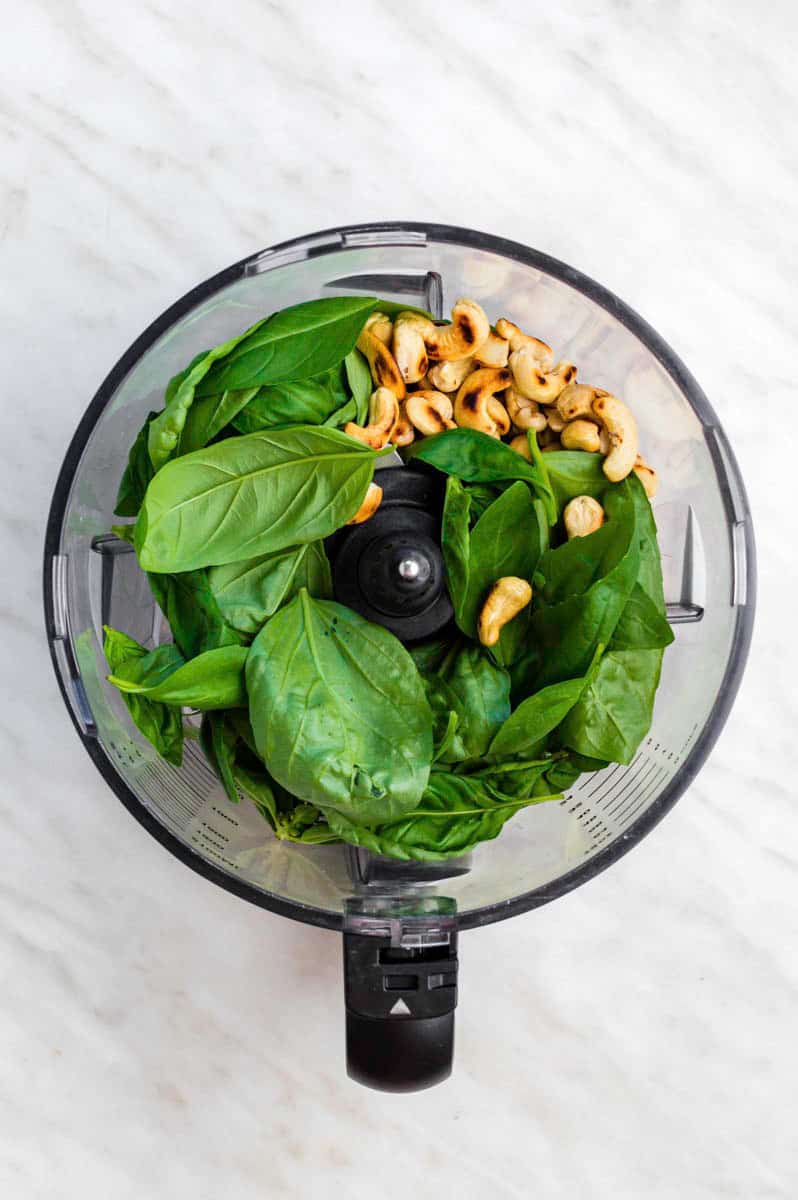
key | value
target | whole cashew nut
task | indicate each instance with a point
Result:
(476, 406)
(382, 364)
(581, 516)
(517, 339)
(505, 600)
(621, 426)
(371, 502)
(647, 476)
(381, 326)
(555, 421)
(535, 378)
(581, 435)
(576, 400)
(468, 330)
(403, 433)
(430, 412)
(521, 446)
(524, 412)
(383, 417)
(408, 346)
(493, 352)
(448, 376)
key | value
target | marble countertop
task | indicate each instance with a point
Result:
(161, 1038)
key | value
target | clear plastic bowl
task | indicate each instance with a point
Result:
(705, 538)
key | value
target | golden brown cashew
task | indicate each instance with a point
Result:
(493, 352)
(535, 379)
(521, 446)
(403, 433)
(383, 417)
(581, 435)
(647, 476)
(620, 424)
(505, 600)
(468, 330)
(430, 412)
(408, 346)
(371, 502)
(476, 406)
(576, 400)
(581, 516)
(524, 412)
(382, 364)
(381, 326)
(448, 376)
(517, 339)
(555, 421)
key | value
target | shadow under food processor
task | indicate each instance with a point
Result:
(400, 921)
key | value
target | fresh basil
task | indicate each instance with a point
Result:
(469, 684)
(360, 383)
(160, 724)
(301, 402)
(137, 475)
(476, 458)
(219, 739)
(247, 593)
(195, 618)
(212, 680)
(250, 495)
(338, 710)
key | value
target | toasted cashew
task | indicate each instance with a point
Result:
(604, 441)
(468, 330)
(622, 428)
(524, 412)
(371, 502)
(430, 412)
(476, 406)
(517, 339)
(581, 516)
(383, 417)
(647, 476)
(576, 400)
(403, 433)
(555, 421)
(521, 446)
(447, 376)
(505, 600)
(408, 346)
(382, 364)
(493, 352)
(536, 380)
(381, 326)
(581, 435)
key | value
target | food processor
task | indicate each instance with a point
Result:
(400, 921)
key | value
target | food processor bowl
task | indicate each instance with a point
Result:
(411, 912)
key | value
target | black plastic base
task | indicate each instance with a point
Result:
(401, 1054)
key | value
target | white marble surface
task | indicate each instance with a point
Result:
(159, 1037)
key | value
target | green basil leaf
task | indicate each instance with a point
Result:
(481, 496)
(456, 542)
(212, 680)
(392, 308)
(247, 496)
(137, 475)
(476, 458)
(301, 402)
(524, 732)
(190, 607)
(161, 725)
(208, 417)
(614, 713)
(347, 412)
(248, 593)
(339, 711)
(641, 625)
(166, 429)
(296, 343)
(360, 384)
(575, 473)
(219, 739)
(456, 812)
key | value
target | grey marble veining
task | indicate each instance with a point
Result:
(159, 1037)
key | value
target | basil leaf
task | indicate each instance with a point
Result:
(249, 592)
(212, 680)
(524, 732)
(475, 457)
(575, 473)
(360, 383)
(456, 543)
(137, 474)
(296, 343)
(190, 607)
(161, 725)
(250, 495)
(339, 711)
(208, 417)
(470, 685)
(614, 713)
(218, 739)
(303, 402)
(167, 428)
(455, 814)
(392, 308)
(641, 626)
